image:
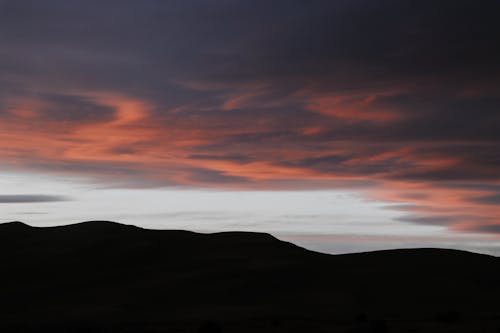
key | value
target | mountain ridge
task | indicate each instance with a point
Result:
(112, 277)
(110, 225)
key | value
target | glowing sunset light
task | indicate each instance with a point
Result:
(392, 122)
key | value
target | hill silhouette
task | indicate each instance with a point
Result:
(107, 277)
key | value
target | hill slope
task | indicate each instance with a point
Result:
(103, 276)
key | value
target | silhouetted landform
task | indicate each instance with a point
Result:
(108, 277)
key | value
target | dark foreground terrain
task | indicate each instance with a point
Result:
(107, 277)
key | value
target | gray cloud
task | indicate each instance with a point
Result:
(492, 228)
(492, 199)
(232, 158)
(430, 220)
(31, 198)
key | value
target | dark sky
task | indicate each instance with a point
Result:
(396, 98)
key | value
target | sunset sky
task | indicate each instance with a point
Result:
(341, 126)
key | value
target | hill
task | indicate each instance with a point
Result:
(107, 277)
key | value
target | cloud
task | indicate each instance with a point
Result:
(31, 198)
(491, 199)
(431, 220)
(389, 96)
(494, 228)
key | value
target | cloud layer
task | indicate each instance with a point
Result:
(398, 99)
(30, 198)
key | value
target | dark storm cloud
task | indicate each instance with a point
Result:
(31, 198)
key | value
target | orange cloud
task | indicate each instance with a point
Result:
(355, 107)
(136, 145)
(440, 204)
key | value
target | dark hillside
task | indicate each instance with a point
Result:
(107, 277)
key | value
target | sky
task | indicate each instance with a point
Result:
(342, 126)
